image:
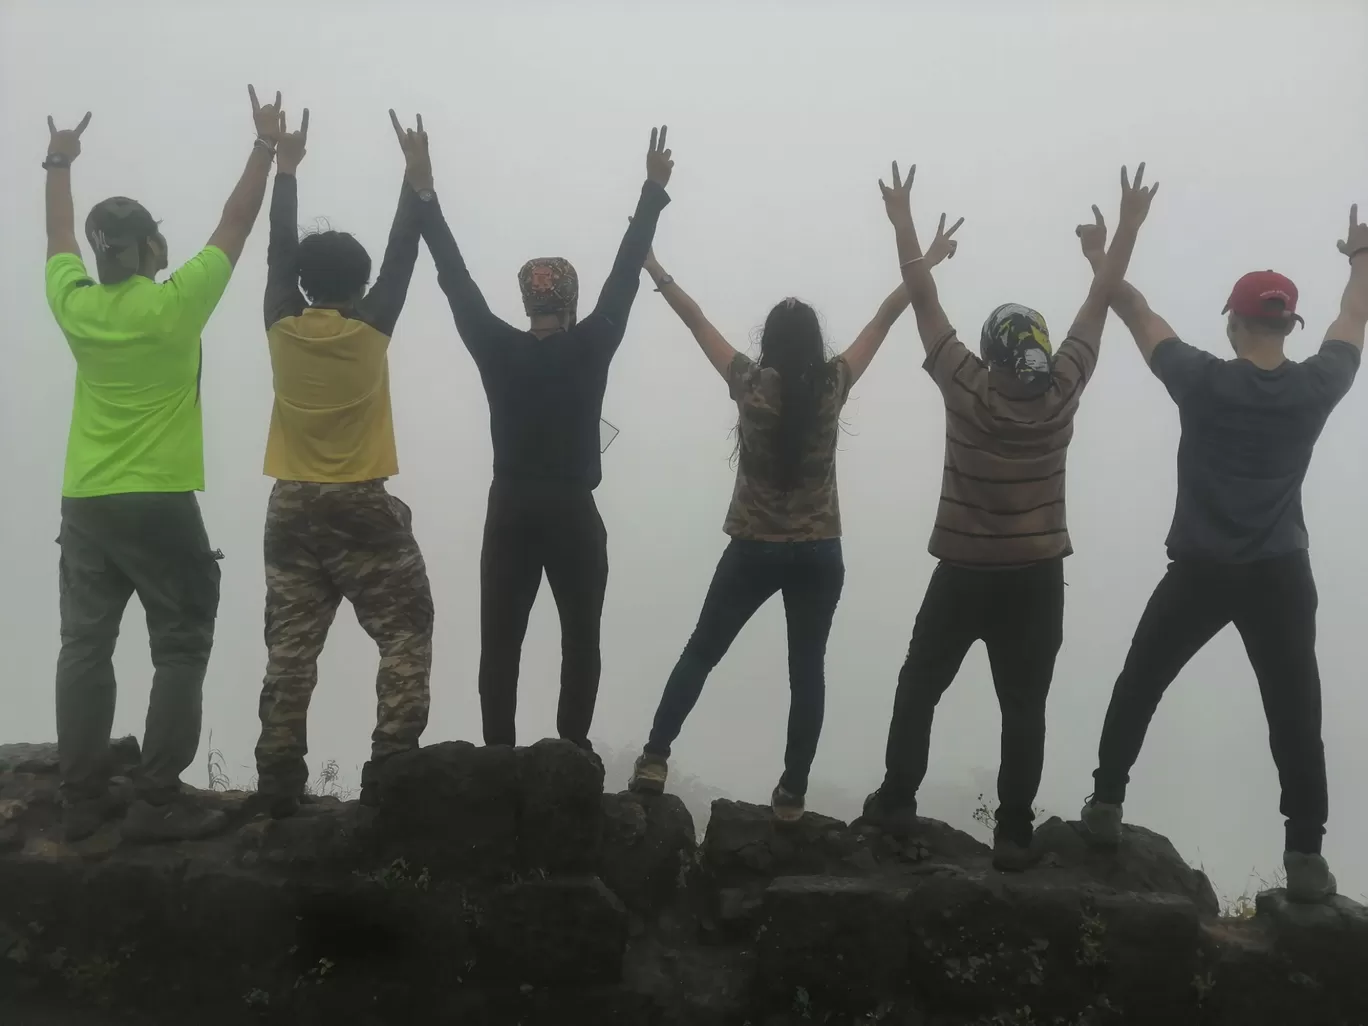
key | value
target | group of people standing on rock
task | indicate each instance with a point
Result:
(130, 521)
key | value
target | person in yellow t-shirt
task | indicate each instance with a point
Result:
(134, 460)
(333, 530)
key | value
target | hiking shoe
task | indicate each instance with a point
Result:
(788, 807)
(1101, 823)
(81, 817)
(1011, 856)
(1309, 879)
(648, 774)
(175, 821)
(899, 820)
(277, 806)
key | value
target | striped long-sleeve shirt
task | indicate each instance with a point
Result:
(1002, 494)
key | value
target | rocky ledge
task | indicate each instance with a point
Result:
(502, 886)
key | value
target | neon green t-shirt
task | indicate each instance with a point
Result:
(135, 418)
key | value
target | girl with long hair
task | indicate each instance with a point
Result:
(784, 519)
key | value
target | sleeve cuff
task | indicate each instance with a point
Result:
(656, 194)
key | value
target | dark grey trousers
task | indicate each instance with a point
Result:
(153, 544)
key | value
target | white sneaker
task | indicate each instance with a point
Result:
(1309, 879)
(1101, 823)
(649, 774)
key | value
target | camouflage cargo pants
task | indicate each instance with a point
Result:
(324, 543)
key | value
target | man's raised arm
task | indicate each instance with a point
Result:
(1353, 316)
(63, 148)
(283, 298)
(1110, 264)
(244, 203)
(932, 323)
(623, 281)
(383, 303)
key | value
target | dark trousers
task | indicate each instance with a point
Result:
(112, 546)
(1018, 613)
(1272, 603)
(810, 576)
(531, 529)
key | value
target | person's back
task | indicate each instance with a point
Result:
(764, 507)
(1248, 433)
(545, 402)
(333, 530)
(135, 459)
(1007, 436)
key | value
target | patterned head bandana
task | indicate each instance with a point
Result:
(549, 286)
(1015, 340)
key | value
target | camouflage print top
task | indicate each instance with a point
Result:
(760, 509)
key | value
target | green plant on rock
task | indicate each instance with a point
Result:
(802, 1002)
(1092, 932)
(397, 875)
(256, 998)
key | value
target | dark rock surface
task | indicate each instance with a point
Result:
(501, 886)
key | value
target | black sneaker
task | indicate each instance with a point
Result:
(81, 817)
(1011, 856)
(277, 806)
(175, 821)
(896, 820)
(370, 780)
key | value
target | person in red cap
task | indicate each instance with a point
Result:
(1238, 542)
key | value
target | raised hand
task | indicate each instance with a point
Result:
(1093, 236)
(417, 158)
(658, 162)
(1352, 245)
(944, 245)
(898, 197)
(67, 142)
(269, 120)
(1135, 200)
(290, 147)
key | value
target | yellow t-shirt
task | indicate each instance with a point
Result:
(135, 416)
(332, 419)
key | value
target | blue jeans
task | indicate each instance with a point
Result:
(810, 576)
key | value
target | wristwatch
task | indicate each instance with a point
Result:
(667, 280)
(426, 195)
(55, 161)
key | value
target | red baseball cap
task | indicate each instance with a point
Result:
(1263, 294)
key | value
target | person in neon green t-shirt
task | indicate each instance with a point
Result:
(135, 458)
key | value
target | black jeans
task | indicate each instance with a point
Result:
(1018, 613)
(810, 576)
(1272, 603)
(533, 528)
(153, 544)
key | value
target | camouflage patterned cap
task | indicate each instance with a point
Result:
(549, 286)
(1016, 340)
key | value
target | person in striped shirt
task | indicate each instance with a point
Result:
(1001, 533)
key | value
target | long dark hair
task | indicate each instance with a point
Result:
(792, 344)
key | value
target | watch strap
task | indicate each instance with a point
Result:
(56, 161)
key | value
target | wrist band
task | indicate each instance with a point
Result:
(909, 263)
(56, 161)
(263, 143)
(1361, 249)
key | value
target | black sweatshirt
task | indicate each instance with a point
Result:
(546, 394)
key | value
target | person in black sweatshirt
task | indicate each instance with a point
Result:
(545, 387)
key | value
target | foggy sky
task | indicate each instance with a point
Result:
(782, 117)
